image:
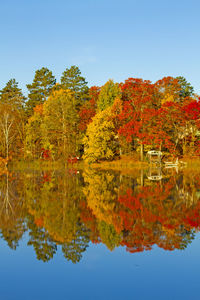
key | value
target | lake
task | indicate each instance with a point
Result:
(90, 234)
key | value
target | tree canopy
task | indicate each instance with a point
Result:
(71, 79)
(109, 92)
(40, 88)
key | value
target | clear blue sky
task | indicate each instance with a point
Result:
(105, 39)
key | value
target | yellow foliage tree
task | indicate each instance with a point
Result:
(53, 126)
(60, 122)
(34, 133)
(100, 142)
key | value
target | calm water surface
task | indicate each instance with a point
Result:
(100, 235)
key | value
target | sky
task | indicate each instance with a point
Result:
(106, 39)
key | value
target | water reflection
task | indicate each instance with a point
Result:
(73, 209)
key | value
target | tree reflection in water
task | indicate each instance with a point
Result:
(73, 209)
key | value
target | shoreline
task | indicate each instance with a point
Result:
(125, 164)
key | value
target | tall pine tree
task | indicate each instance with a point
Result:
(71, 79)
(12, 95)
(40, 89)
(187, 89)
(12, 119)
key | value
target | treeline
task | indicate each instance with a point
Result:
(68, 119)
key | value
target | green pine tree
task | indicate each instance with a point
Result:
(71, 79)
(40, 89)
(12, 119)
(186, 89)
(12, 95)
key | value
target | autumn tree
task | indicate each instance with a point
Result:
(191, 129)
(12, 119)
(60, 123)
(168, 89)
(137, 95)
(53, 126)
(40, 89)
(100, 140)
(7, 127)
(88, 109)
(35, 133)
(109, 92)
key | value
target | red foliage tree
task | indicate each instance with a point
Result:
(88, 109)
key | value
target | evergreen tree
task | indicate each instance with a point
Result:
(12, 95)
(186, 89)
(40, 89)
(109, 92)
(71, 79)
(12, 119)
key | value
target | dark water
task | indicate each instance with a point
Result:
(100, 235)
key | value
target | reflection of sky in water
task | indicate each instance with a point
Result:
(101, 273)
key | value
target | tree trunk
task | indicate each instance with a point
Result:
(142, 178)
(142, 152)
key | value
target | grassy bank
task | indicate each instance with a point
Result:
(125, 164)
(128, 163)
(37, 165)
